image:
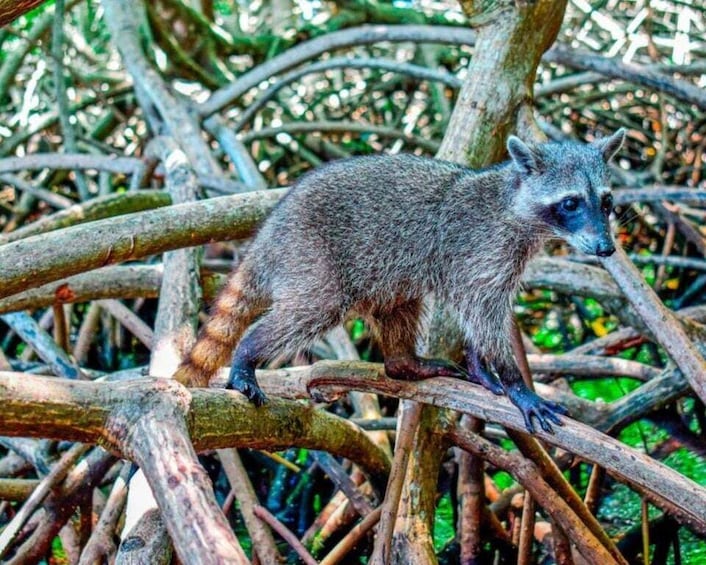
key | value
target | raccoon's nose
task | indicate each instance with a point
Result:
(605, 249)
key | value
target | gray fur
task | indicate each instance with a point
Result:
(375, 235)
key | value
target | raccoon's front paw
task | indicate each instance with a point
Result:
(533, 406)
(243, 380)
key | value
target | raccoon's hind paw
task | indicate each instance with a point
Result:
(252, 392)
(533, 406)
(243, 380)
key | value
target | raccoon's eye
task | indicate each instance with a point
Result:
(570, 204)
(607, 203)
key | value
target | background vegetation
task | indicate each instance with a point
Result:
(123, 114)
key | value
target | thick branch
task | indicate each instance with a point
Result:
(78, 411)
(153, 433)
(218, 418)
(85, 247)
(94, 209)
(664, 487)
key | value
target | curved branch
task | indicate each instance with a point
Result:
(449, 35)
(364, 35)
(666, 488)
(416, 71)
(637, 74)
(122, 21)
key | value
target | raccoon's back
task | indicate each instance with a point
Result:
(375, 218)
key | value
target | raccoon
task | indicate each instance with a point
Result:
(373, 236)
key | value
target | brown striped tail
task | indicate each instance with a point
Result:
(232, 312)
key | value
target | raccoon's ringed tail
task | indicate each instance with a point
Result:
(188, 375)
(233, 311)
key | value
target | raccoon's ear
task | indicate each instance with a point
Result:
(525, 160)
(609, 146)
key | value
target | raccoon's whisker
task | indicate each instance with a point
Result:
(629, 216)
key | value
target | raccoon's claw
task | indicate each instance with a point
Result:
(419, 368)
(244, 382)
(531, 405)
(253, 393)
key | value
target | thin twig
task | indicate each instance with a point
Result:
(56, 475)
(129, 320)
(408, 428)
(101, 541)
(352, 538)
(262, 513)
(263, 542)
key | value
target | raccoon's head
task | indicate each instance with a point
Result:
(564, 187)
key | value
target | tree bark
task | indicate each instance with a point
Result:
(13, 9)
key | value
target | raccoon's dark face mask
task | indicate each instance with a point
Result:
(564, 187)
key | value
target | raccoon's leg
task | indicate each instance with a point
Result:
(479, 374)
(487, 326)
(246, 357)
(286, 328)
(398, 333)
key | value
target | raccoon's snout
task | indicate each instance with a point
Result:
(605, 249)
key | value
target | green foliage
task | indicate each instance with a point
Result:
(358, 329)
(28, 19)
(444, 528)
(302, 456)
(503, 480)
(688, 463)
(650, 274)
(224, 7)
(604, 389)
(59, 556)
